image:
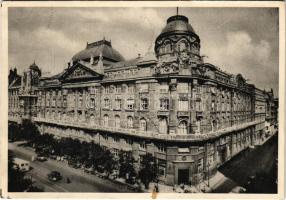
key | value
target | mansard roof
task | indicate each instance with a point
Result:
(98, 48)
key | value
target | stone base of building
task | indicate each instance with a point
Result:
(179, 162)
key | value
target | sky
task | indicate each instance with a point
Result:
(238, 40)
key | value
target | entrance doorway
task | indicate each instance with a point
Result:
(223, 154)
(183, 176)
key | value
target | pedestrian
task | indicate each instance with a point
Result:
(68, 180)
(156, 188)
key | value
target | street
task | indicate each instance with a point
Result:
(80, 181)
(259, 163)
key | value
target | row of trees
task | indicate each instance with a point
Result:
(87, 154)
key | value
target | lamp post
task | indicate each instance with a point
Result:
(208, 165)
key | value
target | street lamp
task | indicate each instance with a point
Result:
(208, 166)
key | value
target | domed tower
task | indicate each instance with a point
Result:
(177, 46)
(35, 74)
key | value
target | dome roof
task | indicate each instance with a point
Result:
(34, 67)
(94, 49)
(177, 23)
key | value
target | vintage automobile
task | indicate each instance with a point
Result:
(54, 176)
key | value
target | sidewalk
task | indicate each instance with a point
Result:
(216, 181)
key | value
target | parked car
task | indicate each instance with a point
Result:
(238, 189)
(41, 158)
(54, 176)
(75, 165)
(89, 170)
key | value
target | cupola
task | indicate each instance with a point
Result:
(176, 38)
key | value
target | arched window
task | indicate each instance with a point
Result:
(143, 125)
(129, 122)
(92, 103)
(117, 121)
(59, 115)
(48, 114)
(80, 101)
(92, 119)
(163, 125)
(105, 120)
(167, 47)
(182, 128)
(53, 115)
(79, 116)
(106, 103)
(64, 117)
(214, 125)
(182, 46)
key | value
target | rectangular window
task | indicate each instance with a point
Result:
(200, 165)
(106, 89)
(130, 104)
(183, 104)
(116, 152)
(115, 139)
(80, 102)
(92, 103)
(106, 103)
(129, 141)
(164, 104)
(117, 104)
(48, 102)
(144, 104)
(64, 102)
(54, 102)
(162, 167)
(199, 106)
(92, 90)
(161, 148)
(130, 88)
(118, 89)
(142, 145)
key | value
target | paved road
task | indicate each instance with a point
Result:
(258, 162)
(80, 181)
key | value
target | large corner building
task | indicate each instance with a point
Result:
(191, 115)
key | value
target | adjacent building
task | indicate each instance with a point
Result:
(191, 115)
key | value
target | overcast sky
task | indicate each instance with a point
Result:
(243, 40)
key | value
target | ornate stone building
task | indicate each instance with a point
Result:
(191, 115)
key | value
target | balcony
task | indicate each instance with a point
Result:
(183, 114)
(148, 134)
(163, 113)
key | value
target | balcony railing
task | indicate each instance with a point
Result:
(149, 134)
(183, 113)
(163, 113)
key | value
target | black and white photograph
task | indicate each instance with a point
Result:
(175, 99)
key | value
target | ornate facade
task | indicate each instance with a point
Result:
(191, 115)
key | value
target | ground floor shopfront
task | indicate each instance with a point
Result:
(188, 162)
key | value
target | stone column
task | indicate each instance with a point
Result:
(173, 106)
